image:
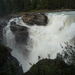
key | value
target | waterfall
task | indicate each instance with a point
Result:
(43, 40)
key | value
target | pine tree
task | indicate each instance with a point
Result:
(8, 6)
(27, 5)
(38, 4)
(34, 4)
(2, 8)
(50, 4)
(17, 5)
(44, 4)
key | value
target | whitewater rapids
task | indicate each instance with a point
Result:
(43, 40)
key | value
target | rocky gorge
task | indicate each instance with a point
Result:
(39, 19)
(21, 35)
(35, 36)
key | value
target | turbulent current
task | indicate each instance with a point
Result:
(43, 40)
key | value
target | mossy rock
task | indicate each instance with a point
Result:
(51, 67)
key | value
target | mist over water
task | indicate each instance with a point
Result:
(43, 40)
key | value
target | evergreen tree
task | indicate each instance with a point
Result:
(44, 4)
(2, 8)
(17, 5)
(51, 4)
(21, 5)
(38, 4)
(34, 4)
(27, 5)
(8, 6)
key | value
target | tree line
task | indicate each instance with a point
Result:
(9, 6)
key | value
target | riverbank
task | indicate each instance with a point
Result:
(17, 14)
(47, 11)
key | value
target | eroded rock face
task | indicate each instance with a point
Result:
(31, 19)
(20, 32)
(3, 23)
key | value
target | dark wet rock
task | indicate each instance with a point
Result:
(20, 32)
(3, 23)
(31, 19)
(13, 23)
(8, 64)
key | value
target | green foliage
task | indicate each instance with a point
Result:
(34, 4)
(17, 5)
(38, 6)
(8, 6)
(51, 67)
(44, 4)
(2, 8)
(56, 66)
(69, 53)
(27, 5)
(12, 6)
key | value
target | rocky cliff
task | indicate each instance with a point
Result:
(20, 32)
(8, 64)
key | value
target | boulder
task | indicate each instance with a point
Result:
(31, 19)
(20, 32)
(13, 23)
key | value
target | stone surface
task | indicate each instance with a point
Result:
(20, 32)
(3, 23)
(31, 19)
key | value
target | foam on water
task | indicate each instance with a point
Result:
(43, 40)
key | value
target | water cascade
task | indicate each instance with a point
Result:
(43, 40)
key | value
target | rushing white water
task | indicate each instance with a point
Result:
(43, 40)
